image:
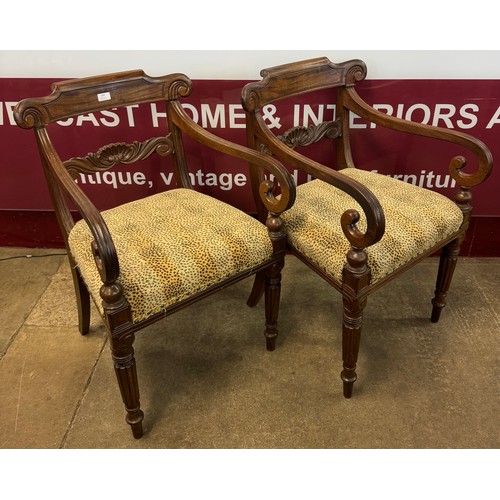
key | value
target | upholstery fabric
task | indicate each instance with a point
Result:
(416, 219)
(172, 245)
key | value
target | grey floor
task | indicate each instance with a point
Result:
(207, 381)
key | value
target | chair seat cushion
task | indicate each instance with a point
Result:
(416, 220)
(172, 245)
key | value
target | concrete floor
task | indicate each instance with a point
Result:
(207, 381)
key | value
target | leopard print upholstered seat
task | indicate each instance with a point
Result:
(416, 219)
(172, 245)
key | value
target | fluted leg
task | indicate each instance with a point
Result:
(257, 289)
(118, 319)
(272, 279)
(126, 373)
(272, 299)
(447, 264)
(355, 281)
(351, 335)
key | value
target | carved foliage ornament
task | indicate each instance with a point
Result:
(113, 154)
(305, 136)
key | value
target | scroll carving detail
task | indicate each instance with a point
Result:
(305, 136)
(180, 87)
(29, 117)
(113, 154)
(355, 73)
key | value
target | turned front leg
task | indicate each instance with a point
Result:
(272, 279)
(351, 336)
(125, 368)
(118, 319)
(272, 299)
(449, 255)
(356, 278)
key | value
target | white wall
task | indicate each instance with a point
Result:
(245, 64)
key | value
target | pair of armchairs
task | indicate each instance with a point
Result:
(151, 257)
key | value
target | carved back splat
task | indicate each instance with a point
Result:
(305, 136)
(120, 153)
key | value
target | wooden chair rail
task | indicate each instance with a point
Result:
(356, 104)
(88, 95)
(293, 79)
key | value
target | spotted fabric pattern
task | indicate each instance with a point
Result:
(415, 220)
(172, 245)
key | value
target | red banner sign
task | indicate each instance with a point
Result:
(469, 106)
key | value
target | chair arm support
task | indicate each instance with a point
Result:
(266, 189)
(371, 206)
(103, 248)
(356, 104)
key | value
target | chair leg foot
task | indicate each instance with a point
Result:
(356, 278)
(436, 313)
(348, 387)
(135, 423)
(270, 343)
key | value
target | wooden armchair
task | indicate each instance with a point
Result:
(153, 256)
(357, 229)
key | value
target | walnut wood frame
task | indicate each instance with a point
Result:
(76, 97)
(305, 76)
